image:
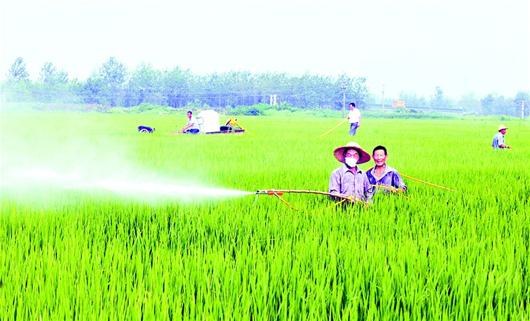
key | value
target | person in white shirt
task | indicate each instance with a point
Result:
(192, 127)
(354, 117)
(498, 139)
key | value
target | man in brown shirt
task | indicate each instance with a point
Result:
(349, 179)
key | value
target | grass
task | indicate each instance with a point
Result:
(433, 254)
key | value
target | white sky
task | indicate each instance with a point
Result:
(479, 46)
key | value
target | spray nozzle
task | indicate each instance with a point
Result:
(269, 192)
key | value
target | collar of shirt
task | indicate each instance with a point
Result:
(345, 169)
(387, 170)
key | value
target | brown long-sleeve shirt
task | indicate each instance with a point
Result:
(350, 182)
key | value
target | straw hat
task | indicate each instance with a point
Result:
(363, 155)
(501, 127)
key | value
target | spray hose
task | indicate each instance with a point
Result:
(427, 183)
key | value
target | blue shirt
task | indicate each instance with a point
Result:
(350, 182)
(390, 177)
(498, 140)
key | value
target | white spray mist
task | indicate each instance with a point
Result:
(74, 158)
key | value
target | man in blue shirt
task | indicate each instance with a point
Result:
(498, 139)
(383, 176)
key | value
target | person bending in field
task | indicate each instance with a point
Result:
(382, 176)
(192, 127)
(349, 179)
(498, 139)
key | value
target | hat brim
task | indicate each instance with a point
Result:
(363, 155)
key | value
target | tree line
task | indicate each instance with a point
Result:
(112, 84)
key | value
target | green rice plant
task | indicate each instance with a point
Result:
(83, 253)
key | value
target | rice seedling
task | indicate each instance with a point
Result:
(86, 253)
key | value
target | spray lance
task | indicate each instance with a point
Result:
(340, 197)
(279, 193)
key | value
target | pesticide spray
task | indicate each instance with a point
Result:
(148, 188)
(43, 163)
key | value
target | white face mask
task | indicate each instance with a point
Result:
(350, 161)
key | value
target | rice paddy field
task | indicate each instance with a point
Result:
(161, 240)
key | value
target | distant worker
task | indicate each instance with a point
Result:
(192, 127)
(349, 179)
(354, 117)
(382, 175)
(498, 139)
(232, 126)
(231, 122)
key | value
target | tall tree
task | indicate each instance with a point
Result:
(343, 86)
(359, 91)
(499, 105)
(18, 71)
(176, 86)
(144, 86)
(92, 90)
(438, 100)
(469, 103)
(413, 101)
(487, 103)
(52, 76)
(113, 75)
(522, 104)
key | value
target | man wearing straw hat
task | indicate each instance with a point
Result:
(349, 179)
(498, 139)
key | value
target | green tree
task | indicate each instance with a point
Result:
(113, 75)
(355, 88)
(50, 75)
(18, 71)
(17, 87)
(92, 90)
(359, 91)
(497, 105)
(412, 101)
(438, 100)
(487, 103)
(521, 98)
(144, 86)
(469, 103)
(175, 87)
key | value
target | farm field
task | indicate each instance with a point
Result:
(89, 252)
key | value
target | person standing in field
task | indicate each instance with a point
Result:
(498, 139)
(382, 175)
(192, 127)
(349, 179)
(354, 117)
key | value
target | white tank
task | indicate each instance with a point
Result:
(208, 121)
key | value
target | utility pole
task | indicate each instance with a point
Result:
(383, 97)
(343, 87)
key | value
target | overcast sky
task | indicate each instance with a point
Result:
(479, 46)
